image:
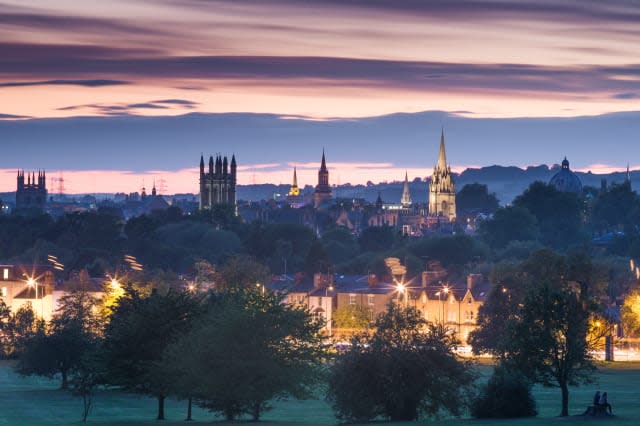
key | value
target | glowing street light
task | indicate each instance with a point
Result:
(446, 292)
(31, 282)
(258, 285)
(401, 288)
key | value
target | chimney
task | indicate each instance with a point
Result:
(429, 278)
(317, 280)
(372, 280)
(321, 280)
(473, 280)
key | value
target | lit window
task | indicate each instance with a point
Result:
(468, 316)
(5, 274)
(4, 292)
(371, 299)
(352, 299)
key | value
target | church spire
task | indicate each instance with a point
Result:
(406, 196)
(323, 165)
(628, 174)
(294, 191)
(442, 156)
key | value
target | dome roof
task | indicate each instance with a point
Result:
(565, 180)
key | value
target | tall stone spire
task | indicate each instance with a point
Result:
(442, 156)
(323, 190)
(323, 165)
(442, 190)
(406, 196)
(294, 191)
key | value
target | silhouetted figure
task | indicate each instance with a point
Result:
(605, 403)
(596, 398)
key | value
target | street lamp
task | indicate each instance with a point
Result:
(31, 282)
(115, 284)
(258, 285)
(446, 292)
(401, 288)
(326, 311)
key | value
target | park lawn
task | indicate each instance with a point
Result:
(32, 401)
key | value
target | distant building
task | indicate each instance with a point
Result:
(294, 191)
(406, 196)
(567, 181)
(20, 286)
(218, 185)
(455, 305)
(442, 190)
(323, 190)
(31, 195)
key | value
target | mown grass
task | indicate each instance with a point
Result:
(31, 401)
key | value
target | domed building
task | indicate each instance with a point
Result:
(565, 180)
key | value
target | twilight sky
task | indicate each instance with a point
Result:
(497, 64)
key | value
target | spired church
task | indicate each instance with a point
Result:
(414, 220)
(218, 184)
(442, 190)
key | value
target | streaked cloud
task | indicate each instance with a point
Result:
(322, 58)
(13, 117)
(132, 109)
(85, 83)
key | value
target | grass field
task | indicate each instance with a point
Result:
(35, 401)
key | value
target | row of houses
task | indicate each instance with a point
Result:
(454, 304)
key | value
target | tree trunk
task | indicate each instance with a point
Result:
(188, 419)
(256, 412)
(65, 380)
(160, 408)
(86, 400)
(565, 399)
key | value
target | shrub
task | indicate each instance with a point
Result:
(506, 395)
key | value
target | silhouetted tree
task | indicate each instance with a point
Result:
(137, 334)
(406, 370)
(248, 349)
(509, 224)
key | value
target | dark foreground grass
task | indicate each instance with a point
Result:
(34, 401)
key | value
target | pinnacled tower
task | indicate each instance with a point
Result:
(294, 191)
(323, 190)
(442, 190)
(218, 185)
(406, 196)
(33, 194)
